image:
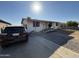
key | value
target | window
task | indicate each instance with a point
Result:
(50, 24)
(36, 24)
(33, 23)
(56, 24)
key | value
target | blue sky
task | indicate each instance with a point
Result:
(13, 12)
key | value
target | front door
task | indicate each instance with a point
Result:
(50, 25)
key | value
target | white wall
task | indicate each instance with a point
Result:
(37, 29)
(30, 27)
(43, 25)
(54, 25)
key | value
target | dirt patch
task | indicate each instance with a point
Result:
(75, 36)
(73, 44)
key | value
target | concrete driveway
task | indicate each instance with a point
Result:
(40, 45)
(37, 46)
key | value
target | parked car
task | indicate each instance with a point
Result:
(13, 34)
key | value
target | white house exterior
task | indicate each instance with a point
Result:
(38, 25)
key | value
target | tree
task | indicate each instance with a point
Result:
(72, 24)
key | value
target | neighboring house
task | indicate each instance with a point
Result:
(3, 24)
(39, 25)
(78, 25)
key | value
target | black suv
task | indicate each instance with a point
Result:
(13, 34)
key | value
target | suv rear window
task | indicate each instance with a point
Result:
(13, 29)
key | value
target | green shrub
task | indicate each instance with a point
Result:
(72, 24)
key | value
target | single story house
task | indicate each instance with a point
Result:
(38, 25)
(3, 24)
